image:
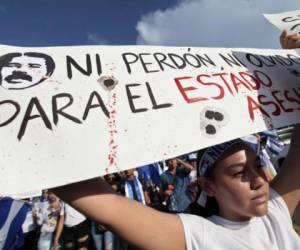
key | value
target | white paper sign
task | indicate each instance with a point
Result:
(289, 21)
(73, 113)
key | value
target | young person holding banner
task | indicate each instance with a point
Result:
(251, 213)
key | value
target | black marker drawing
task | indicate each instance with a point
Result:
(294, 20)
(212, 120)
(24, 70)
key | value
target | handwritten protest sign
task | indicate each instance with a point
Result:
(73, 113)
(289, 21)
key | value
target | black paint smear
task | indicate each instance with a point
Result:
(210, 129)
(209, 114)
(108, 83)
(219, 116)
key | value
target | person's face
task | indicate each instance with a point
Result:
(23, 72)
(110, 178)
(45, 194)
(53, 200)
(239, 185)
(129, 173)
(172, 164)
(193, 163)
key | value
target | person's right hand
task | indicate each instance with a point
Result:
(168, 192)
(289, 41)
(56, 246)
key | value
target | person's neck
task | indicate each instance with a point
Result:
(173, 171)
(228, 215)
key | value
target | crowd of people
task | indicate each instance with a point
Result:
(52, 224)
(169, 186)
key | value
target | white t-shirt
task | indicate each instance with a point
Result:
(272, 231)
(72, 216)
(47, 217)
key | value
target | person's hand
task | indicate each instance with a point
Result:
(289, 41)
(56, 246)
(168, 192)
(179, 161)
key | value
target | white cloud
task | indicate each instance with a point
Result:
(94, 38)
(214, 23)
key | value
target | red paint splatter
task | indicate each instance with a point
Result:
(112, 156)
(51, 80)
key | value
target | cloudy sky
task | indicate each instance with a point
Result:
(205, 23)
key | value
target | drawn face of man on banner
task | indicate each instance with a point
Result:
(21, 71)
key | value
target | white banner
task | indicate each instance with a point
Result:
(73, 113)
(289, 21)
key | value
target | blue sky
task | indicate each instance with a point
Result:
(203, 23)
(61, 22)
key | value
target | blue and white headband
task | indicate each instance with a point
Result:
(212, 154)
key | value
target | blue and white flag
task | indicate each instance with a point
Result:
(138, 189)
(274, 146)
(12, 216)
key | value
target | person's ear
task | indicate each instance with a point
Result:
(206, 185)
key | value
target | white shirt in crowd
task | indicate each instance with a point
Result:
(29, 223)
(72, 216)
(272, 231)
(47, 217)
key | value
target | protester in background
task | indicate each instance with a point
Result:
(174, 185)
(12, 216)
(45, 196)
(47, 217)
(133, 188)
(74, 229)
(153, 192)
(193, 185)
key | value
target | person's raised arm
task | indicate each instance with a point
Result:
(58, 231)
(141, 226)
(188, 167)
(287, 182)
